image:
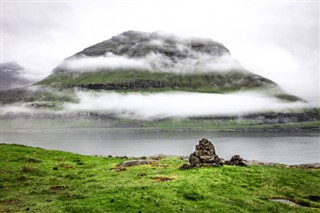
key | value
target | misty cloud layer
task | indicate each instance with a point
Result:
(179, 104)
(156, 51)
(197, 63)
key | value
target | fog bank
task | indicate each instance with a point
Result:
(195, 63)
(179, 104)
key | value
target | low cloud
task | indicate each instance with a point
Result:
(15, 109)
(179, 104)
(155, 62)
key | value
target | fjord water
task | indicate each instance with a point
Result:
(287, 148)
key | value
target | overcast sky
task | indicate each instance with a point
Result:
(276, 39)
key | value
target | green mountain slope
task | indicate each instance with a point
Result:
(150, 62)
(158, 81)
(145, 62)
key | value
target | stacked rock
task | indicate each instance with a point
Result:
(236, 161)
(204, 155)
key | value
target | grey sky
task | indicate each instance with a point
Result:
(276, 39)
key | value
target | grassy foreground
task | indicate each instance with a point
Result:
(38, 180)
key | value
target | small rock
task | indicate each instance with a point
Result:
(158, 157)
(236, 161)
(142, 175)
(135, 163)
(185, 167)
(162, 179)
(307, 166)
(194, 160)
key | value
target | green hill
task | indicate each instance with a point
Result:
(146, 62)
(151, 62)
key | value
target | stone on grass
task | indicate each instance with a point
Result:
(185, 167)
(236, 160)
(204, 155)
(135, 163)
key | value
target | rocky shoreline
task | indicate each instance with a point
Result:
(205, 156)
(150, 160)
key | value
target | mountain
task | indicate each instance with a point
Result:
(11, 76)
(140, 61)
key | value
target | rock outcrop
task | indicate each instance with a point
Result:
(204, 155)
(135, 163)
(236, 160)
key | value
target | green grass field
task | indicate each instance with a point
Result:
(38, 180)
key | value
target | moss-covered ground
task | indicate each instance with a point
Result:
(38, 180)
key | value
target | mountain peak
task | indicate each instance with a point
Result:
(11, 66)
(11, 75)
(139, 44)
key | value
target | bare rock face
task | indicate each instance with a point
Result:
(204, 155)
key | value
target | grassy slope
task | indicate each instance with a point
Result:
(54, 92)
(51, 181)
(45, 95)
(212, 82)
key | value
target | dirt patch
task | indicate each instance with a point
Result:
(315, 198)
(10, 201)
(58, 188)
(22, 178)
(162, 179)
(142, 175)
(67, 166)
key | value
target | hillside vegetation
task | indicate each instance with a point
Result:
(145, 80)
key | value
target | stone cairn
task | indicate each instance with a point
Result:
(204, 155)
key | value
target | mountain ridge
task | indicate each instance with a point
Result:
(11, 75)
(143, 61)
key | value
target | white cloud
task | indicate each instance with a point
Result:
(197, 63)
(12, 109)
(179, 104)
(110, 61)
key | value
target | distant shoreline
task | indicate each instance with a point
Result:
(155, 130)
(315, 165)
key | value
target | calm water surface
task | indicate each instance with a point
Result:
(288, 148)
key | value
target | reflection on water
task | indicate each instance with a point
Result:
(289, 148)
